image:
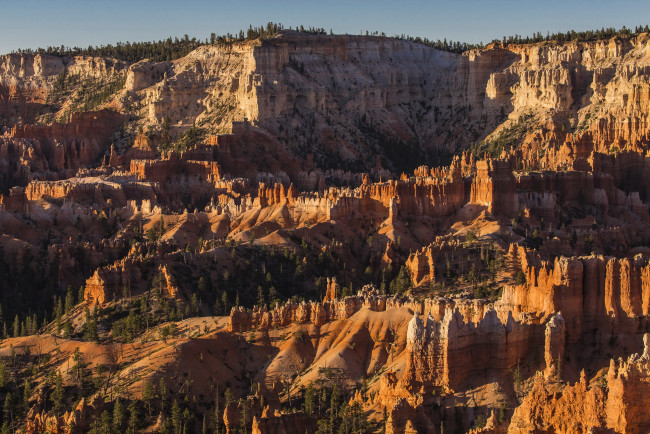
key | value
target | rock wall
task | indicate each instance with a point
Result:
(445, 354)
(586, 93)
(589, 291)
(617, 404)
(55, 151)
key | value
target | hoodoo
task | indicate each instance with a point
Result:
(288, 230)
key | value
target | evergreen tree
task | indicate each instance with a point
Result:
(58, 394)
(119, 415)
(27, 393)
(261, 296)
(310, 399)
(16, 327)
(105, 423)
(3, 375)
(217, 412)
(134, 418)
(148, 395)
(177, 417)
(8, 407)
(194, 305)
(81, 295)
(69, 300)
(162, 391)
(67, 330)
(335, 398)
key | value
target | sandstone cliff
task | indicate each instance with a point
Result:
(286, 83)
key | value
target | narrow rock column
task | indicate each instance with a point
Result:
(554, 345)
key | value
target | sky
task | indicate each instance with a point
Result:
(39, 23)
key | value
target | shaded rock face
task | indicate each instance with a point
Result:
(388, 81)
(284, 423)
(107, 284)
(55, 151)
(124, 278)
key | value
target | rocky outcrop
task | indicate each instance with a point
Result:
(319, 313)
(72, 422)
(284, 84)
(124, 279)
(444, 354)
(91, 191)
(554, 345)
(618, 403)
(494, 187)
(108, 283)
(163, 170)
(284, 423)
(587, 290)
(55, 151)
(332, 290)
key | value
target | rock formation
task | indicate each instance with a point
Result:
(615, 403)
(221, 210)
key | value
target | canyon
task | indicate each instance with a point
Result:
(432, 241)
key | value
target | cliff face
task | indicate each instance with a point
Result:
(55, 151)
(310, 91)
(615, 403)
(456, 99)
(328, 82)
(445, 354)
(587, 290)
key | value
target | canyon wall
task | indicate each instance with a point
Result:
(310, 91)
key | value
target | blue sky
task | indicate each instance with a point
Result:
(38, 23)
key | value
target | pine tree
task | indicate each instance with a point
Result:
(58, 394)
(16, 327)
(105, 422)
(8, 407)
(224, 302)
(228, 396)
(310, 399)
(217, 412)
(69, 300)
(27, 393)
(244, 416)
(194, 305)
(162, 391)
(58, 313)
(134, 418)
(118, 415)
(148, 394)
(3, 375)
(335, 398)
(67, 330)
(177, 417)
(81, 295)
